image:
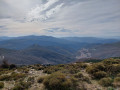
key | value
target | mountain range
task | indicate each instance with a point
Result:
(52, 50)
(100, 51)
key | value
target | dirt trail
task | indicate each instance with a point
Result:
(32, 73)
(36, 74)
(94, 84)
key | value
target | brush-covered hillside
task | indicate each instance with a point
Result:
(36, 54)
(103, 75)
(100, 51)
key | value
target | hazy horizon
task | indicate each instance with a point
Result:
(60, 18)
(114, 37)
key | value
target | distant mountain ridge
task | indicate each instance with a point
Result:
(35, 55)
(100, 51)
(26, 41)
(91, 40)
(5, 38)
(47, 49)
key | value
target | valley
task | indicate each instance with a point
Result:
(28, 50)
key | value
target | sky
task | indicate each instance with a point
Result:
(60, 18)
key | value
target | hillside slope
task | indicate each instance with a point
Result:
(72, 45)
(103, 75)
(100, 51)
(36, 54)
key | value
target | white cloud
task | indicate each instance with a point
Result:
(53, 11)
(41, 13)
(78, 17)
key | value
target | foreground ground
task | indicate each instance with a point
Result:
(104, 75)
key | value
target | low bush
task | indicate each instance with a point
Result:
(22, 86)
(111, 88)
(118, 75)
(91, 70)
(37, 67)
(23, 69)
(18, 87)
(12, 66)
(73, 70)
(83, 65)
(1, 85)
(40, 79)
(16, 76)
(116, 82)
(111, 61)
(109, 67)
(113, 69)
(86, 79)
(6, 65)
(81, 77)
(95, 68)
(51, 69)
(30, 79)
(59, 81)
(105, 81)
(78, 75)
(5, 78)
(13, 76)
(100, 74)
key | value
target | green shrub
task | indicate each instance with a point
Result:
(48, 71)
(111, 61)
(111, 88)
(30, 79)
(22, 86)
(95, 68)
(91, 69)
(1, 85)
(80, 65)
(116, 82)
(59, 81)
(82, 78)
(16, 76)
(36, 67)
(73, 70)
(106, 81)
(13, 76)
(12, 66)
(23, 69)
(5, 78)
(99, 66)
(100, 74)
(118, 75)
(40, 79)
(116, 68)
(78, 75)
(113, 69)
(112, 66)
(18, 87)
(83, 65)
(51, 69)
(86, 79)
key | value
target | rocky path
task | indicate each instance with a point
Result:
(94, 84)
(36, 74)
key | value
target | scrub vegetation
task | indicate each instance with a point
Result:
(102, 75)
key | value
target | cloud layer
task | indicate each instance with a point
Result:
(43, 12)
(97, 18)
